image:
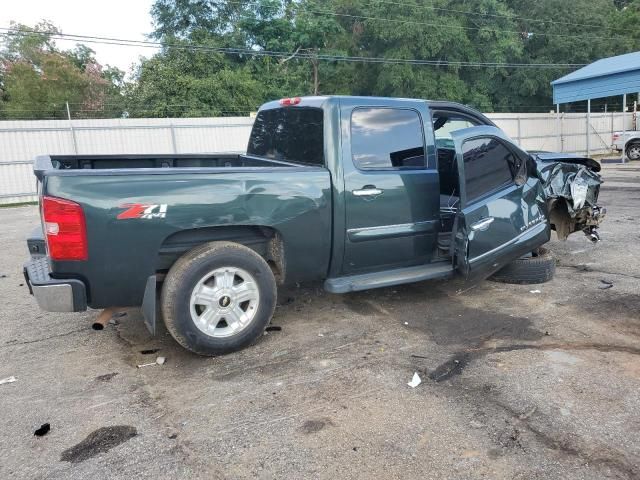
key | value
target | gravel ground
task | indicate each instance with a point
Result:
(516, 385)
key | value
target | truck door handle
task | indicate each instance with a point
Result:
(368, 191)
(482, 225)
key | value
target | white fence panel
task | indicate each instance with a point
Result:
(21, 141)
(543, 131)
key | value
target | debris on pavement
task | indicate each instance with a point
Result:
(103, 318)
(535, 291)
(527, 414)
(106, 377)
(273, 328)
(159, 361)
(415, 381)
(10, 379)
(2, 275)
(413, 355)
(43, 430)
(606, 285)
(149, 351)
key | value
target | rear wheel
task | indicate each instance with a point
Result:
(540, 267)
(218, 298)
(633, 151)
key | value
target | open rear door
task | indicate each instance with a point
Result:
(503, 213)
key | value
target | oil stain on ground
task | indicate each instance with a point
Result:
(473, 327)
(460, 360)
(99, 441)
(315, 425)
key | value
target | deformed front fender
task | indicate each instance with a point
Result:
(571, 185)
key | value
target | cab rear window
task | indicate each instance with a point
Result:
(292, 134)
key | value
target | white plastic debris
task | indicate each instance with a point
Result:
(535, 291)
(10, 379)
(415, 381)
(406, 323)
(159, 361)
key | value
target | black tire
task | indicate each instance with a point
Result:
(633, 151)
(185, 275)
(540, 267)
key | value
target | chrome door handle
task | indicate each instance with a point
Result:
(482, 225)
(368, 192)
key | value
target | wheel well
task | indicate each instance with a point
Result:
(265, 241)
(559, 218)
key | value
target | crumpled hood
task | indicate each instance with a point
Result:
(570, 177)
(546, 157)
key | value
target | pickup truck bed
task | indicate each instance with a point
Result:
(259, 202)
(127, 162)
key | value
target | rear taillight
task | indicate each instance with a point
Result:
(616, 136)
(65, 229)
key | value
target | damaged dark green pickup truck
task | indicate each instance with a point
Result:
(358, 192)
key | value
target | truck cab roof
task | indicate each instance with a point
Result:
(326, 100)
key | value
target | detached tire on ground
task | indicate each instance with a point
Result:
(540, 267)
(218, 298)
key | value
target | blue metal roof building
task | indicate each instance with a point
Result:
(605, 78)
(608, 77)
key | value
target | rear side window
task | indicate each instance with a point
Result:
(488, 165)
(383, 138)
(293, 134)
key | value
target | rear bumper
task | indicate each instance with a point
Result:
(53, 295)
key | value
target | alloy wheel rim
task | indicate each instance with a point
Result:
(224, 302)
(634, 153)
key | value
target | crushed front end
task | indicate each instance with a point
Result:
(572, 186)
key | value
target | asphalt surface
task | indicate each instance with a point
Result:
(515, 384)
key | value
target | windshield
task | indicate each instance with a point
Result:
(291, 134)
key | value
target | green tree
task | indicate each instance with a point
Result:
(37, 79)
(625, 22)
(192, 83)
(577, 32)
(445, 32)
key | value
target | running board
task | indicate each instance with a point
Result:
(389, 278)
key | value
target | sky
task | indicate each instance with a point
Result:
(126, 19)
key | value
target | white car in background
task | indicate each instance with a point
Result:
(629, 142)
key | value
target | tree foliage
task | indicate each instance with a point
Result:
(477, 31)
(225, 57)
(37, 79)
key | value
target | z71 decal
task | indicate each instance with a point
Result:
(141, 210)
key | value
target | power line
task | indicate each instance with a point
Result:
(280, 54)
